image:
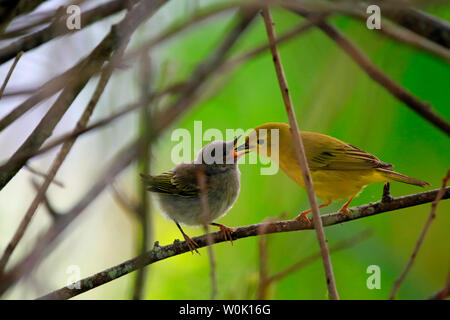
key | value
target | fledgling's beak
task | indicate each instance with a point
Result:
(237, 154)
(242, 149)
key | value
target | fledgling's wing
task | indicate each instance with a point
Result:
(332, 154)
(182, 181)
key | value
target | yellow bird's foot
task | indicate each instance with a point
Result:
(344, 208)
(226, 231)
(304, 216)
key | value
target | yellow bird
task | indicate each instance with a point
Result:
(338, 170)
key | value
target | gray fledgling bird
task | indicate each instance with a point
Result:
(179, 191)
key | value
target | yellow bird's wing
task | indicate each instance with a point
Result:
(328, 153)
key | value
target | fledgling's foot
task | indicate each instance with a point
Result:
(226, 231)
(191, 244)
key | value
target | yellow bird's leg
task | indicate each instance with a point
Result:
(344, 208)
(226, 231)
(303, 215)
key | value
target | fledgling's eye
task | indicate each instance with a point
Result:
(260, 141)
(213, 153)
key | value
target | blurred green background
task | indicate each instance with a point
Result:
(332, 95)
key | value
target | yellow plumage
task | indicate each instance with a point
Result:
(338, 169)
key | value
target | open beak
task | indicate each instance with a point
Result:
(235, 153)
(242, 149)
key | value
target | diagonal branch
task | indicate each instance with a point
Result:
(5, 82)
(430, 219)
(301, 158)
(159, 253)
(65, 149)
(420, 107)
(128, 154)
(111, 42)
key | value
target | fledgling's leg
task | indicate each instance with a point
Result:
(226, 231)
(344, 208)
(303, 215)
(190, 243)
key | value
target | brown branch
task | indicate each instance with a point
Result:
(301, 158)
(159, 253)
(125, 203)
(65, 149)
(58, 28)
(145, 123)
(341, 245)
(44, 175)
(265, 281)
(420, 107)
(428, 26)
(111, 42)
(419, 242)
(5, 82)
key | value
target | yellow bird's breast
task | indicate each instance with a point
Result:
(333, 185)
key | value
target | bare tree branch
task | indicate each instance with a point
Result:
(420, 107)
(94, 62)
(159, 253)
(301, 158)
(5, 82)
(430, 219)
(58, 28)
(65, 149)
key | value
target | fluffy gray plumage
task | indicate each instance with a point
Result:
(178, 193)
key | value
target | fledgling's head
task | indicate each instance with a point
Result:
(219, 154)
(265, 137)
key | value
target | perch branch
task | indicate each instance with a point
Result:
(159, 253)
(301, 157)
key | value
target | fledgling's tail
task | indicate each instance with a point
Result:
(395, 176)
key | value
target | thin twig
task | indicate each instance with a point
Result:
(5, 82)
(159, 253)
(201, 179)
(65, 149)
(301, 157)
(111, 42)
(343, 244)
(124, 202)
(43, 175)
(419, 242)
(145, 119)
(50, 209)
(414, 103)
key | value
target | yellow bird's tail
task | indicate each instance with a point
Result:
(395, 176)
